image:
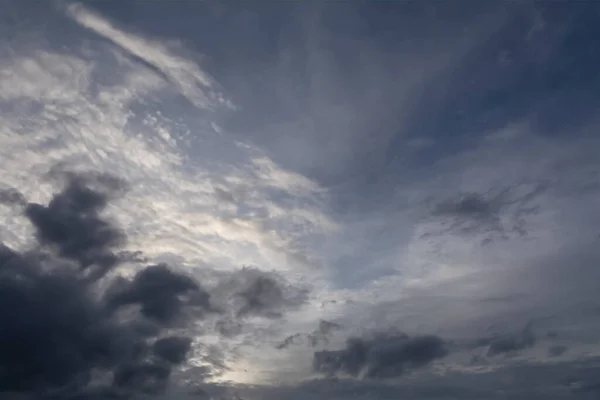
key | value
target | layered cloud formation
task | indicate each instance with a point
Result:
(73, 327)
(225, 201)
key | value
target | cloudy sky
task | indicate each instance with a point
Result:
(299, 200)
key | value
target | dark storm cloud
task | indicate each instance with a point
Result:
(160, 292)
(173, 348)
(71, 223)
(64, 329)
(142, 376)
(57, 333)
(381, 357)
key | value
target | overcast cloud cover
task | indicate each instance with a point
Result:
(299, 200)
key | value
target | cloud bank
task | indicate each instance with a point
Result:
(77, 326)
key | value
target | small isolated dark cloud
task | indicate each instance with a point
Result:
(288, 341)
(468, 205)
(224, 196)
(263, 294)
(510, 343)
(321, 335)
(228, 327)
(252, 293)
(12, 197)
(384, 356)
(500, 214)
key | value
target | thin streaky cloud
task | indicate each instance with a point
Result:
(192, 82)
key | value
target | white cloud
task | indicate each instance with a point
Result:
(184, 74)
(67, 117)
(179, 207)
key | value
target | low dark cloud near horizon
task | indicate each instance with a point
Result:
(380, 357)
(64, 336)
(385, 355)
(553, 381)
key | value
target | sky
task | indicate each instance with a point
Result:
(299, 200)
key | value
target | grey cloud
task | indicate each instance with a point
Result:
(471, 205)
(259, 297)
(71, 224)
(173, 349)
(262, 294)
(228, 327)
(224, 195)
(383, 356)
(288, 341)
(58, 334)
(494, 214)
(12, 197)
(132, 256)
(160, 292)
(326, 327)
(509, 343)
(556, 350)
(555, 381)
(321, 335)
(142, 376)
(67, 328)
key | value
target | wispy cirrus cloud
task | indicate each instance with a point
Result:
(382, 167)
(189, 79)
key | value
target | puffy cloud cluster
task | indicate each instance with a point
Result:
(75, 326)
